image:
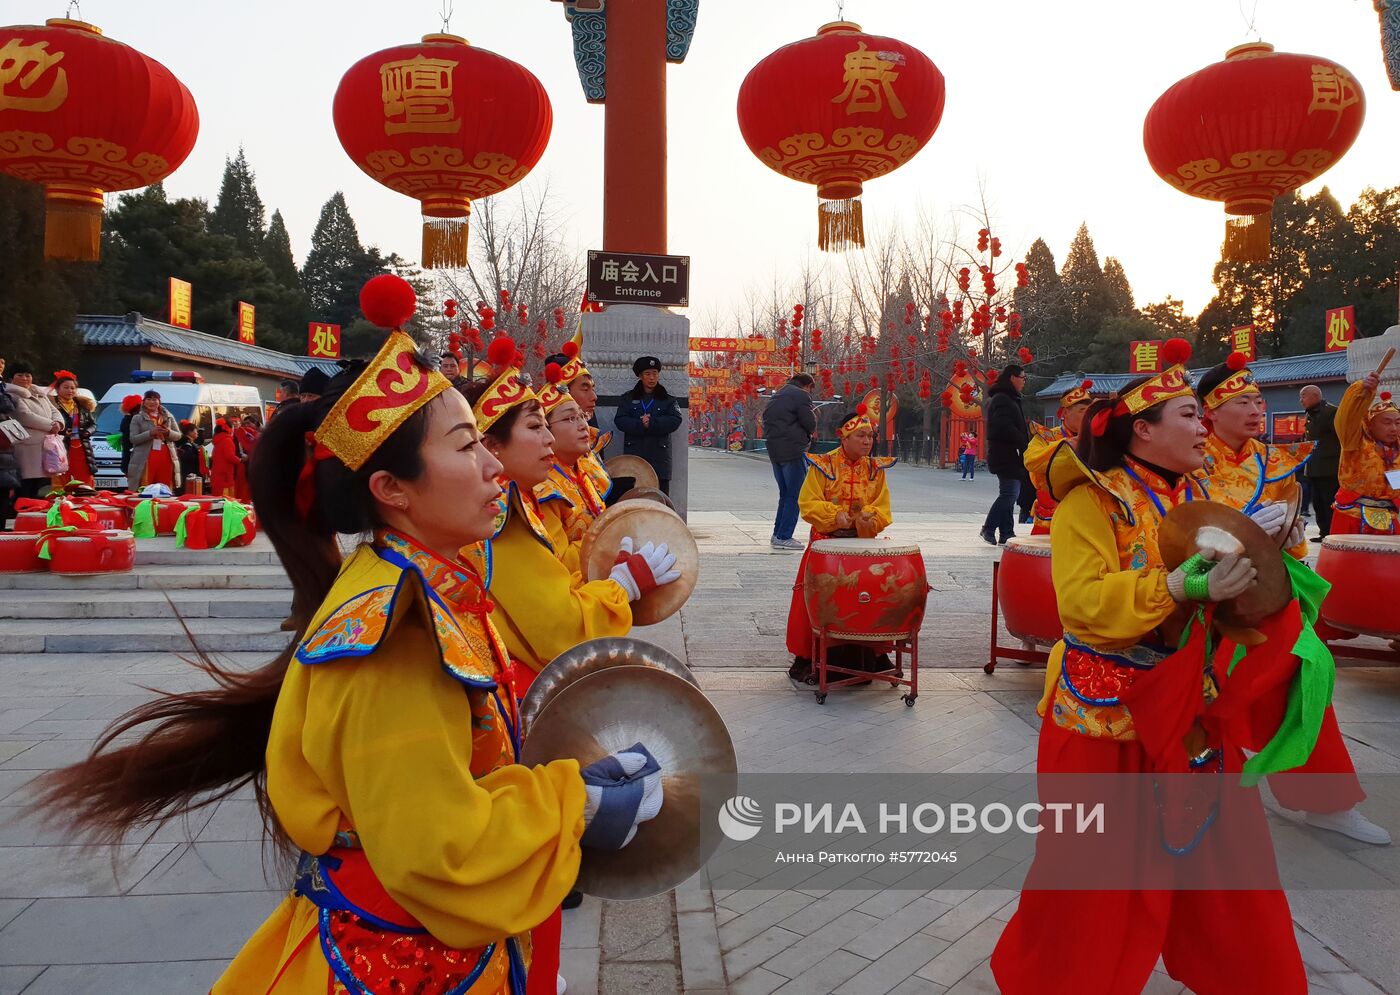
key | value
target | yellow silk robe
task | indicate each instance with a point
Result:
(390, 724)
(1037, 458)
(569, 504)
(1257, 474)
(835, 484)
(1363, 467)
(1110, 582)
(542, 607)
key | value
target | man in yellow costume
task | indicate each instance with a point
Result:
(1073, 403)
(1259, 479)
(1369, 429)
(845, 495)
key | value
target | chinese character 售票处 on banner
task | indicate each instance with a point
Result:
(181, 302)
(323, 340)
(245, 323)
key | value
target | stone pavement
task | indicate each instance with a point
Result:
(165, 917)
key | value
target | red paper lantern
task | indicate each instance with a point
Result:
(444, 123)
(838, 110)
(1251, 128)
(85, 115)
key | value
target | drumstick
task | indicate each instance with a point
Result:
(1385, 361)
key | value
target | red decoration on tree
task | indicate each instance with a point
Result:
(1024, 355)
(482, 129)
(839, 110)
(85, 115)
(1249, 129)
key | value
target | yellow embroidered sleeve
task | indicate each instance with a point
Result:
(816, 510)
(1037, 458)
(1351, 416)
(543, 608)
(385, 739)
(1099, 602)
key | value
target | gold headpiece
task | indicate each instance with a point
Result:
(508, 390)
(1237, 384)
(1077, 394)
(555, 391)
(858, 421)
(1381, 404)
(1168, 385)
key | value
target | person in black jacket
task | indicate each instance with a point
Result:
(789, 423)
(1007, 438)
(646, 418)
(1321, 470)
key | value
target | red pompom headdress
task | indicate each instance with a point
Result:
(1168, 385)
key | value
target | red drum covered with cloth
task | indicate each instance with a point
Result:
(865, 589)
(19, 552)
(1026, 591)
(1364, 571)
(92, 552)
(31, 522)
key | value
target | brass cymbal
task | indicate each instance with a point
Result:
(648, 494)
(608, 711)
(644, 521)
(635, 467)
(1181, 537)
(591, 657)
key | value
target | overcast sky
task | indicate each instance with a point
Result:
(1044, 110)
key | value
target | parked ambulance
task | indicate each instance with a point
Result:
(185, 395)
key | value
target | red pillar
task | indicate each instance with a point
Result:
(634, 130)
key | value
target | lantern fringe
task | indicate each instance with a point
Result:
(840, 225)
(445, 243)
(1247, 237)
(73, 231)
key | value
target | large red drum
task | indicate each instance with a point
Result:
(31, 522)
(868, 590)
(1026, 591)
(107, 516)
(1364, 571)
(167, 514)
(19, 552)
(92, 552)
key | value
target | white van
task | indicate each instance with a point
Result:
(185, 395)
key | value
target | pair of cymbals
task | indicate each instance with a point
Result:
(589, 658)
(1195, 525)
(644, 521)
(606, 712)
(641, 472)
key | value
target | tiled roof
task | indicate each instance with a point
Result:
(1288, 369)
(135, 331)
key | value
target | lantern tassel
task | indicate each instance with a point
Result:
(840, 225)
(1247, 237)
(445, 243)
(73, 231)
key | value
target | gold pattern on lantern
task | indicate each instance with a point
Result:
(35, 157)
(1249, 171)
(428, 171)
(809, 157)
(417, 95)
(1333, 90)
(22, 68)
(870, 78)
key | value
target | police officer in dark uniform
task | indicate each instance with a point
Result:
(646, 417)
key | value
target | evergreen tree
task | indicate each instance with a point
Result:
(37, 306)
(1120, 292)
(1086, 291)
(239, 213)
(337, 265)
(277, 253)
(1045, 312)
(1170, 318)
(1108, 349)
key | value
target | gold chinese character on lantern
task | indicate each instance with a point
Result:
(870, 79)
(22, 69)
(417, 96)
(1333, 90)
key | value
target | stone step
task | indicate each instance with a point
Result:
(154, 578)
(147, 552)
(145, 635)
(197, 603)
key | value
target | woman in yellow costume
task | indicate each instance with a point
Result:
(1257, 478)
(569, 497)
(543, 608)
(1122, 610)
(1369, 430)
(845, 494)
(579, 382)
(383, 742)
(1073, 403)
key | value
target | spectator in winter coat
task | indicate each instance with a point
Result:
(646, 417)
(224, 472)
(36, 413)
(789, 423)
(154, 432)
(192, 463)
(1007, 436)
(1321, 470)
(130, 405)
(78, 425)
(10, 480)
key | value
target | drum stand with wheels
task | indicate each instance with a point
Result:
(1021, 655)
(907, 646)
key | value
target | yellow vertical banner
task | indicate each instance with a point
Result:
(245, 323)
(1340, 328)
(181, 302)
(1242, 341)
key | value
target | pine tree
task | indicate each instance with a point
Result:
(239, 213)
(277, 253)
(1044, 312)
(1086, 292)
(336, 266)
(1120, 292)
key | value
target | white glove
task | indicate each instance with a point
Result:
(1229, 578)
(1296, 534)
(1270, 517)
(645, 570)
(603, 779)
